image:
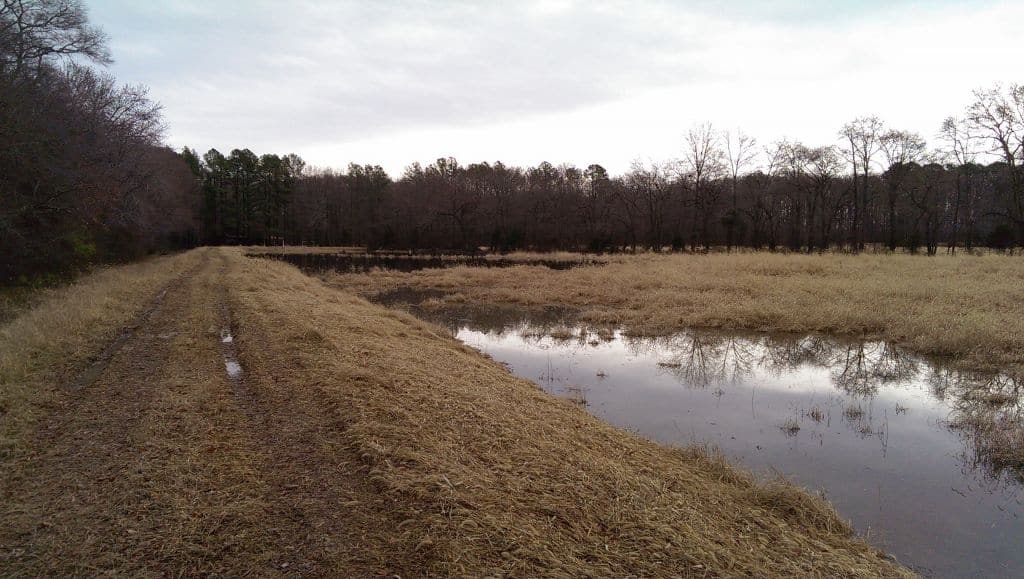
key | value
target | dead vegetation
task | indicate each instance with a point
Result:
(989, 414)
(996, 440)
(493, 476)
(967, 307)
(150, 470)
(65, 329)
(303, 249)
(816, 414)
(854, 412)
(364, 441)
(790, 427)
(14, 300)
(562, 333)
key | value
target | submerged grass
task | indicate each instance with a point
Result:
(968, 307)
(816, 414)
(791, 427)
(996, 439)
(491, 476)
(854, 412)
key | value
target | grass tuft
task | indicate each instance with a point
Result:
(791, 427)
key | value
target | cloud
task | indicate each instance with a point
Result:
(604, 81)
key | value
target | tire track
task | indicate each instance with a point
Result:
(88, 376)
(150, 469)
(77, 480)
(318, 490)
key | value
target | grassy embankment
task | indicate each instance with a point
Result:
(358, 439)
(63, 329)
(969, 308)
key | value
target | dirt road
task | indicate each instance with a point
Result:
(158, 463)
(355, 441)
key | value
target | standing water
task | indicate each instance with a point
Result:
(885, 435)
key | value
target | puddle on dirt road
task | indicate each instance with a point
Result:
(866, 423)
(362, 263)
(233, 368)
(231, 365)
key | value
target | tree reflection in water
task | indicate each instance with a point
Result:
(988, 412)
(705, 358)
(985, 409)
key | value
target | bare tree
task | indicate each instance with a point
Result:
(960, 151)
(650, 185)
(34, 32)
(763, 211)
(928, 195)
(998, 116)
(741, 152)
(901, 150)
(861, 137)
(596, 206)
(822, 166)
(704, 163)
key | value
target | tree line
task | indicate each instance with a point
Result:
(83, 173)
(876, 186)
(85, 177)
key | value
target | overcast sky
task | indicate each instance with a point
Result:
(553, 80)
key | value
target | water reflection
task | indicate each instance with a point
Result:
(921, 456)
(703, 358)
(988, 412)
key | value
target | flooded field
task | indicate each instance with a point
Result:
(405, 262)
(902, 446)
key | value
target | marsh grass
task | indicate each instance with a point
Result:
(562, 333)
(965, 310)
(790, 427)
(577, 395)
(990, 398)
(301, 249)
(492, 476)
(997, 440)
(853, 412)
(816, 414)
(967, 307)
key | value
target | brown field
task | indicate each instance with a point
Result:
(357, 440)
(970, 308)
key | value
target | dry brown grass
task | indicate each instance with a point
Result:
(44, 345)
(299, 249)
(968, 307)
(359, 441)
(791, 427)
(150, 470)
(816, 414)
(996, 440)
(14, 300)
(488, 475)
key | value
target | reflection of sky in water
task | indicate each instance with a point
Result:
(880, 451)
